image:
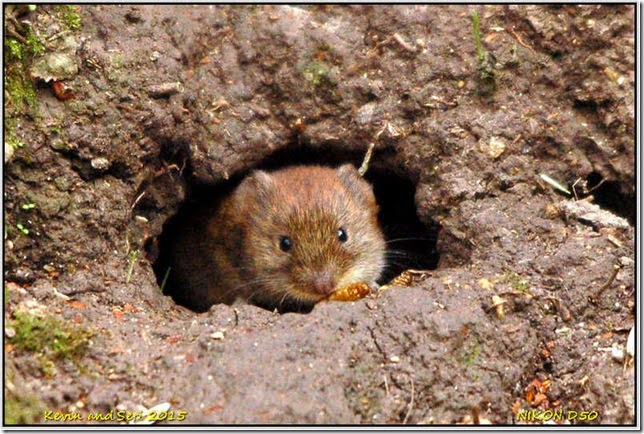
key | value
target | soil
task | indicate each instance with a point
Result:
(529, 302)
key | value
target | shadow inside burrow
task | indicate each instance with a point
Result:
(608, 195)
(410, 243)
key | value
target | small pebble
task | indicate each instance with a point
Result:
(617, 353)
(394, 359)
(60, 294)
(218, 336)
(164, 90)
(100, 163)
(8, 152)
(9, 332)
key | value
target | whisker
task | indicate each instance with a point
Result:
(395, 265)
(398, 240)
(282, 300)
(397, 254)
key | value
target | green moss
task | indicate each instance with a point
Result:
(485, 68)
(17, 51)
(468, 353)
(76, 106)
(50, 338)
(518, 284)
(20, 88)
(480, 53)
(35, 45)
(13, 141)
(117, 61)
(14, 50)
(20, 406)
(21, 47)
(70, 16)
(469, 350)
(9, 126)
(22, 409)
(316, 72)
(473, 355)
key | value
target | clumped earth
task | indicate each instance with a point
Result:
(531, 300)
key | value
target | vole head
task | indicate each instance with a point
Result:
(311, 230)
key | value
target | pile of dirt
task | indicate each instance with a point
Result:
(495, 145)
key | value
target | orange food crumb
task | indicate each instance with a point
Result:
(352, 292)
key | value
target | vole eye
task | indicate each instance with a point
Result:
(285, 243)
(342, 235)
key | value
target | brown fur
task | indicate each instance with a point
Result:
(233, 252)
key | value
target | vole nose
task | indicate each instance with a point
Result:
(323, 282)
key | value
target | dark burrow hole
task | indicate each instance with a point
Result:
(410, 243)
(608, 195)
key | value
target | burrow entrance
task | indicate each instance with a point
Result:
(609, 195)
(410, 243)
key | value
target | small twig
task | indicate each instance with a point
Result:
(594, 298)
(365, 163)
(586, 191)
(58, 35)
(564, 313)
(92, 289)
(597, 186)
(513, 33)
(183, 166)
(411, 401)
(15, 34)
(421, 273)
(574, 190)
(440, 100)
(133, 257)
(386, 385)
(392, 131)
(165, 279)
(137, 200)
(554, 183)
(375, 341)
(396, 37)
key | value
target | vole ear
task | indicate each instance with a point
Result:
(254, 186)
(348, 172)
(355, 183)
(261, 180)
(257, 183)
